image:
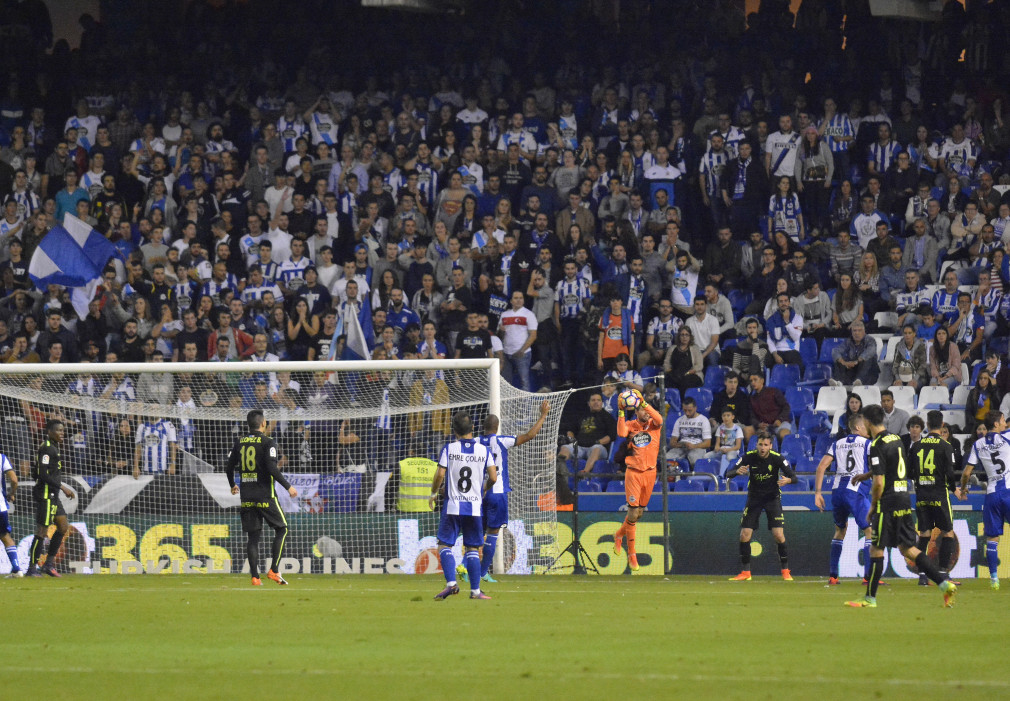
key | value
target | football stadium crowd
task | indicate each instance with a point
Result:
(783, 216)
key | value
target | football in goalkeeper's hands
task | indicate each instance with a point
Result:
(629, 399)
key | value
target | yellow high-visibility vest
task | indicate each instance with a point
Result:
(416, 475)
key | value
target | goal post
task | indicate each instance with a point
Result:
(146, 446)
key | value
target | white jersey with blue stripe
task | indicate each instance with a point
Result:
(572, 297)
(154, 439)
(992, 451)
(465, 462)
(851, 458)
(5, 467)
(499, 447)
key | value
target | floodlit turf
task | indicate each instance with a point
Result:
(214, 636)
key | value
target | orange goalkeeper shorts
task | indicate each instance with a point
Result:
(638, 486)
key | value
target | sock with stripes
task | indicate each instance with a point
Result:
(629, 532)
(12, 555)
(946, 554)
(34, 551)
(926, 565)
(783, 555)
(490, 544)
(745, 556)
(54, 547)
(836, 556)
(992, 556)
(472, 561)
(448, 565)
(277, 548)
(876, 570)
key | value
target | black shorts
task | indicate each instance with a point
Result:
(771, 505)
(893, 527)
(934, 513)
(254, 513)
(46, 510)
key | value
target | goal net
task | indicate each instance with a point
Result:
(146, 446)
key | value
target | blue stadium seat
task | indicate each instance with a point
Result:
(815, 423)
(673, 399)
(800, 399)
(738, 484)
(600, 484)
(802, 485)
(649, 372)
(604, 467)
(808, 351)
(827, 345)
(709, 465)
(715, 378)
(703, 397)
(822, 446)
(587, 486)
(615, 447)
(784, 376)
(680, 464)
(671, 419)
(796, 445)
(690, 485)
(816, 376)
(615, 486)
(738, 300)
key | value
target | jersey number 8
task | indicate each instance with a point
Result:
(464, 482)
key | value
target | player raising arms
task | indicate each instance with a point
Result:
(641, 435)
(993, 451)
(255, 456)
(463, 465)
(6, 500)
(46, 471)
(891, 510)
(850, 491)
(495, 507)
(764, 493)
(933, 459)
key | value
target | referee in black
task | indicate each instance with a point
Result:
(891, 510)
(255, 456)
(769, 472)
(47, 469)
(933, 459)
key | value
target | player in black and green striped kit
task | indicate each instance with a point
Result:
(47, 469)
(255, 456)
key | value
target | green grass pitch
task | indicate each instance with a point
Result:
(556, 637)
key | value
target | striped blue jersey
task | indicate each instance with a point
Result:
(153, 439)
(710, 169)
(883, 155)
(663, 332)
(851, 456)
(966, 331)
(499, 447)
(958, 157)
(636, 293)
(187, 429)
(945, 304)
(5, 467)
(838, 126)
(291, 270)
(427, 182)
(906, 301)
(993, 452)
(254, 293)
(989, 304)
(289, 130)
(465, 462)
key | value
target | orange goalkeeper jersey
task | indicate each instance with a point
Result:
(642, 438)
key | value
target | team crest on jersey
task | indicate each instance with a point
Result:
(640, 440)
(632, 499)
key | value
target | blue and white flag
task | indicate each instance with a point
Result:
(358, 329)
(73, 255)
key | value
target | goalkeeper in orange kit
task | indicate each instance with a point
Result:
(641, 434)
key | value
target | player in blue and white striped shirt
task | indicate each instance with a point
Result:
(6, 499)
(882, 152)
(495, 509)
(155, 448)
(944, 300)
(571, 299)
(837, 130)
(463, 465)
(710, 168)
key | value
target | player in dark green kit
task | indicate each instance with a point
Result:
(46, 471)
(933, 459)
(891, 510)
(255, 456)
(769, 472)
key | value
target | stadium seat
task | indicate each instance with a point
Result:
(816, 376)
(831, 399)
(886, 320)
(703, 397)
(959, 398)
(800, 399)
(808, 351)
(815, 423)
(801, 485)
(827, 345)
(999, 344)
(738, 300)
(615, 447)
(784, 376)
(737, 484)
(888, 353)
(869, 394)
(822, 445)
(690, 484)
(649, 372)
(709, 465)
(587, 486)
(904, 398)
(715, 378)
(680, 465)
(600, 484)
(975, 370)
(931, 397)
(954, 419)
(796, 446)
(673, 399)
(615, 486)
